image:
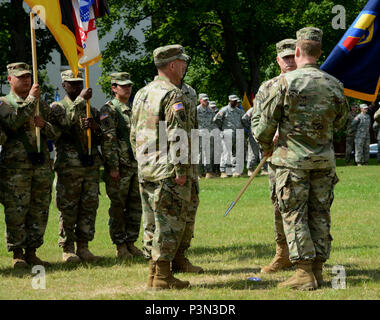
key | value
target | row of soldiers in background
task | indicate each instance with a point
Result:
(358, 135)
(225, 123)
(26, 174)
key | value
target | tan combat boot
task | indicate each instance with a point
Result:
(18, 259)
(122, 251)
(136, 252)
(303, 279)
(32, 259)
(84, 253)
(209, 175)
(152, 272)
(280, 261)
(223, 175)
(250, 173)
(181, 264)
(317, 270)
(163, 278)
(68, 255)
(236, 175)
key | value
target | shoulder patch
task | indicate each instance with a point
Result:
(104, 116)
(178, 106)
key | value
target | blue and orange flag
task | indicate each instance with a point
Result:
(356, 59)
(72, 23)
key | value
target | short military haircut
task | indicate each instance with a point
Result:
(310, 48)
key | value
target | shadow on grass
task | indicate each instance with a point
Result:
(60, 266)
(243, 284)
(239, 252)
(233, 271)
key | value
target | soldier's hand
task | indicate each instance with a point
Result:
(86, 93)
(180, 180)
(39, 122)
(115, 175)
(35, 91)
(90, 123)
(267, 154)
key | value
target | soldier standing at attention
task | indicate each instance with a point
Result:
(253, 156)
(228, 120)
(120, 168)
(285, 59)
(306, 106)
(361, 125)
(165, 184)
(25, 173)
(77, 172)
(350, 133)
(376, 129)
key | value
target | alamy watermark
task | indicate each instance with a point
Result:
(39, 280)
(339, 281)
(339, 21)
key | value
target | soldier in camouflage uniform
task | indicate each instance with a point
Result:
(306, 105)
(376, 129)
(25, 173)
(350, 133)
(361, 125)
(77, 172)
(205, 116)
(228, 121)
(285, 59)
(120, 168)
(216, 146)
(161, 108)
(253, 156)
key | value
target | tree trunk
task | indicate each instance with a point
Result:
(18, 32)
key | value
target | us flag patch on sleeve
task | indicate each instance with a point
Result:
(178, 106)
(104, 116)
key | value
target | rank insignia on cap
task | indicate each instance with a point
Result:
(104, 116)
(178, 106)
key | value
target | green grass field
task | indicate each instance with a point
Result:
(230, 249)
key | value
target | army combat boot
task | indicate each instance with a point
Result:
(280, 261)
(163, 278)
(18, 259)
(68, 254)
(32, 259)
(122, 251)
(136, 252)
(304, 278)
(84, 253)
(152, 272)
(317, 270)
(181, 264)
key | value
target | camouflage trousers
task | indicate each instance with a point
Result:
(350, 144)
(168, 220)
(125, 209)
(304, 199)
(77, 199)
(362, 149)
(278, 224)
(253, 154)
(26, 199)
(208, 159)
(232, 159)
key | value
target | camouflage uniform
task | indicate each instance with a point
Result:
(253, 156)
(304, 156)
(205, 116)
(350, 136)
(125, 210)
(77, 188)
(228, 120)
(165, 204)
(361, 125)
(27, 178)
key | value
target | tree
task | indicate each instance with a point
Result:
(232, 42)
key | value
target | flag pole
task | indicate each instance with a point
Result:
(254, 174)
(35, 74)
(88, 111)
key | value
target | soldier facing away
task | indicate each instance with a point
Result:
(77, 171)
(25, 173)
(120, 168)
(306, 105)
(166, 185)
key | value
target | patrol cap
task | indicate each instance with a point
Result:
(310, 33)
(363, 106)
(166, 54)
(68, 75)
(286, 47)
(121, 78)
(212, 104)
(18, 69)
(233, 97)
